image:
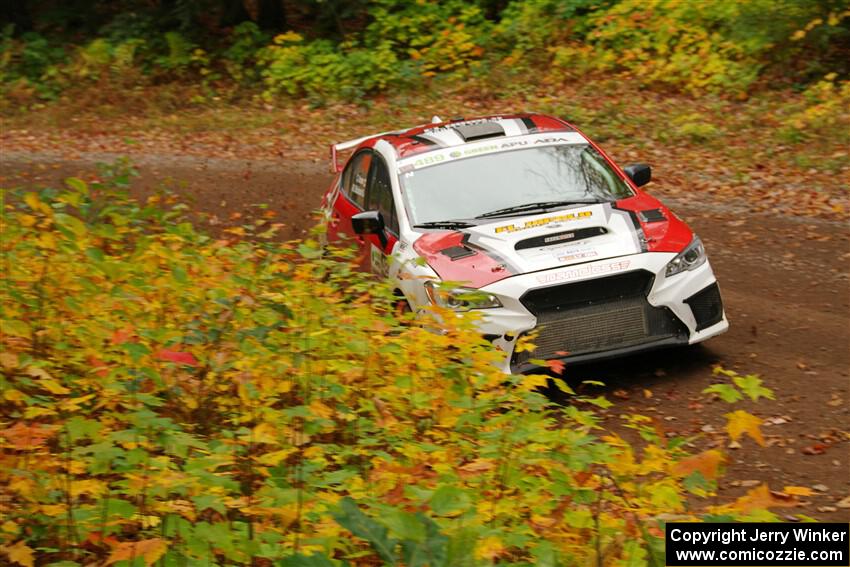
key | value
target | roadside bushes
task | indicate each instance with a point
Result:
(321, 70)
(723, 47)
(824, 111)
(168, 395)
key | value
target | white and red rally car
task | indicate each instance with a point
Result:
(527, 220)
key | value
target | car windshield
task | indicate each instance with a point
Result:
(471, 187)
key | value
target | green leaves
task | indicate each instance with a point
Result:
(449, 500)
(351, 518)
(71, 225)
(421, 542)
(749, 385)
(726, 392)
(181, 399)
(299, 560)
(403, 525)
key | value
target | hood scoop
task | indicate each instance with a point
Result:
(652, 215)
(458, 252)
(560, 237)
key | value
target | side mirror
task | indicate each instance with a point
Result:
(370, 222)
(639, 173)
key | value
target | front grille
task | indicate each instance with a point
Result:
(597, 315)
(706, 306)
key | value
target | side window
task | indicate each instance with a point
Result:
(381, 195)
(355, 177)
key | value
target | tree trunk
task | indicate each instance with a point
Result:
(271, 16)
(17, 13)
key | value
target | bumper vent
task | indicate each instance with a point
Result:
(597, 315)
(707, 306)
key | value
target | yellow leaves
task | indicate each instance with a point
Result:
(53, 510)
(34, 412)
(182, 507)
(288, 37)
(74, 404)
(265, 433)
(284, 516)
(655, 459)
(147, 521)
(489, 548)
(90, 486)
(148, 549)
(47, 382)
(8, 360)
(36, 205)
(10, 527)
(707, 463)
(314, 452)
(317, 408)
(478, 466)
(534, 381)
(20, 553)
(798, 491)
(740, 422)
(761, 497)
(276, 457)
(47, 241)
(13, 395)
(27, 220)
(664, 496)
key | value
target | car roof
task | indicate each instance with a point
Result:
(460, 131)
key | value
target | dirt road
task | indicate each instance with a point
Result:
(784, 280)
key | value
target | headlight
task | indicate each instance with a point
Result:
(459, 298)
(690, 258)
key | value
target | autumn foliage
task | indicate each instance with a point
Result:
(169, 397)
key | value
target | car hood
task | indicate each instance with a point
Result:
(509, 246)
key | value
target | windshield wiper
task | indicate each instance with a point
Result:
(533, 207)
(444, 224)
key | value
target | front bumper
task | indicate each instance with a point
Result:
(603, 309)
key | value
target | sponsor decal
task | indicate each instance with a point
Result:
(457, 152)
(428, 160)
(565, 236)
(542, 222)
(552, 141)
(578, 256)
(378, 261)
(583, 271)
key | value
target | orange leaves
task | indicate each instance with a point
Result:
(148, 549)
(707, 463)
(26, 437)
(740, 422)
(176, 357)
(762, 497)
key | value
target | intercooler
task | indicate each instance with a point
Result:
(596, 315)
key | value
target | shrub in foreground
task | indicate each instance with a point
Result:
(173, 398)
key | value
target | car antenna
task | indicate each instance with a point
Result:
(436, 119)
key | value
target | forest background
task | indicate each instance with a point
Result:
(176, 392)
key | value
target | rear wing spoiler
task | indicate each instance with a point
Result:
(336, 167)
